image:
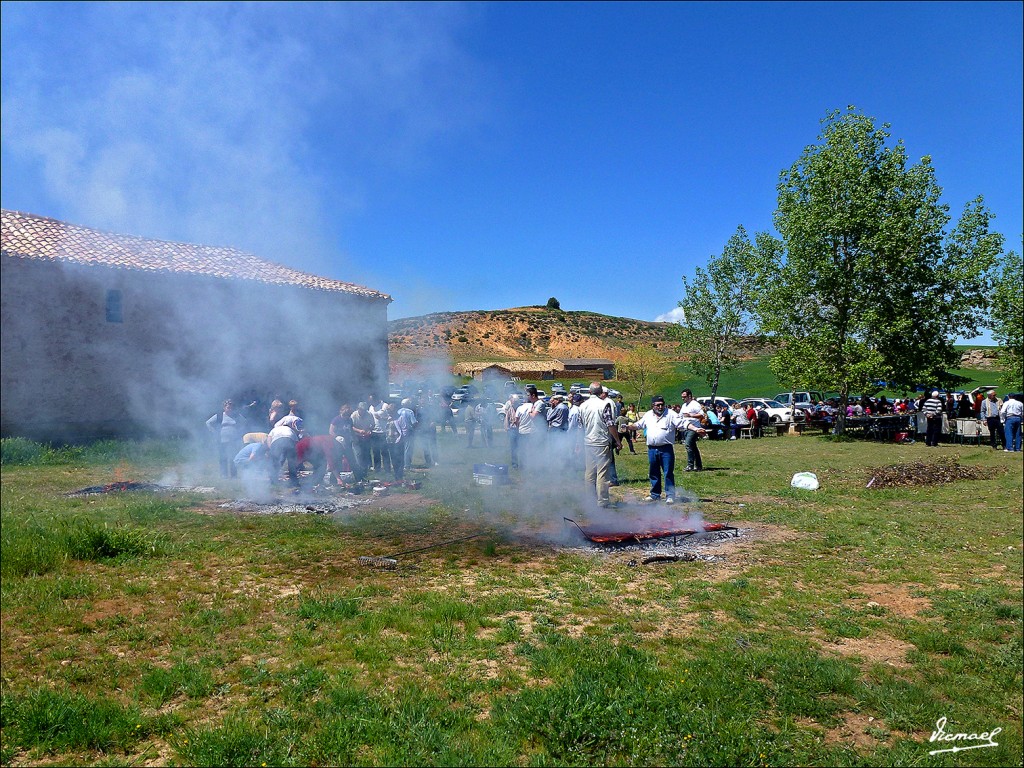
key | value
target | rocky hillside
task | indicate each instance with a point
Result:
(527, 333)
(524, 333)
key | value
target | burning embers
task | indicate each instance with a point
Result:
(627, 531)
(643, 527)
(294, 506)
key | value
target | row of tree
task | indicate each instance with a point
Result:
(864, 282)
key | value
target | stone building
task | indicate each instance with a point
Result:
(116, 335)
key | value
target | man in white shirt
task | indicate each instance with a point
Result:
(531, 417)
(600, 438)
(692, 414)
(1011, 412)
(660, 425)
(512, 428)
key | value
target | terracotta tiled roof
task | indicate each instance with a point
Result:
(28, 236)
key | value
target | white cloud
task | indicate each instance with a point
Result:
(672, 316)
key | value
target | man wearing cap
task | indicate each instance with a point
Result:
(600, 438)
(660, 425)
(932, 410)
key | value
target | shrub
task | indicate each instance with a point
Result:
(92, 541)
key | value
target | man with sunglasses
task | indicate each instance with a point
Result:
(660, 425)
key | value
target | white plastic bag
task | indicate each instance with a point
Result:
(806, 480)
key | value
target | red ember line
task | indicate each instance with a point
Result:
(601, 535)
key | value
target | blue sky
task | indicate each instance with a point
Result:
(484, 156)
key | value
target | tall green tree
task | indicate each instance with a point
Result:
(1008, 319)
(719, 308)
(865, 282)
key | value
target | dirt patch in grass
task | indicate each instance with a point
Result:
(882, 649)
(860, 731)
(739, 553)
(895, 598)
(108, 609)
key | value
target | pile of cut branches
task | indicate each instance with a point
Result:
(945, 470)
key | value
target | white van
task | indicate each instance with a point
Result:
(799, 399)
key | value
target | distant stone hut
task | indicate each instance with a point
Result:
(539, 370)
(589, 368)
(112, 335)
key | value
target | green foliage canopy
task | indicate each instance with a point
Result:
(864, 282)
(1008, 319)
(718, 307)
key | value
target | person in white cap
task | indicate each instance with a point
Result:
(932, 410)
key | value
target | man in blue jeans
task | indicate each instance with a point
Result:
(693, 417)
(660, 425)
(1011, 413)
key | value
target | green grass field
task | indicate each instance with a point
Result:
(837, 630)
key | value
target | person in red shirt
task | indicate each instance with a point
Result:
(323, 452)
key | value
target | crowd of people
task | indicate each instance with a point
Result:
(580, 432)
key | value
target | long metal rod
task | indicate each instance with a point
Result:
(434, 546)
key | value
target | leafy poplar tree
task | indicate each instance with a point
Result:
(718, 308)
(644, 368)
(868, 283)
(1008, 319)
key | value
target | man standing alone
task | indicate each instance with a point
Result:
(600, 438)
(692, 414)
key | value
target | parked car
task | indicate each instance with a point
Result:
(394, 391)
(465, 392)
(577, 386)
(558, 388)
(777, 412)
(984, 390)
(799, 399)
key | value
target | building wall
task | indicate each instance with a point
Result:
(590, 374)
(184, 343)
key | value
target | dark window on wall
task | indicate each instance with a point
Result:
(114, 314)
